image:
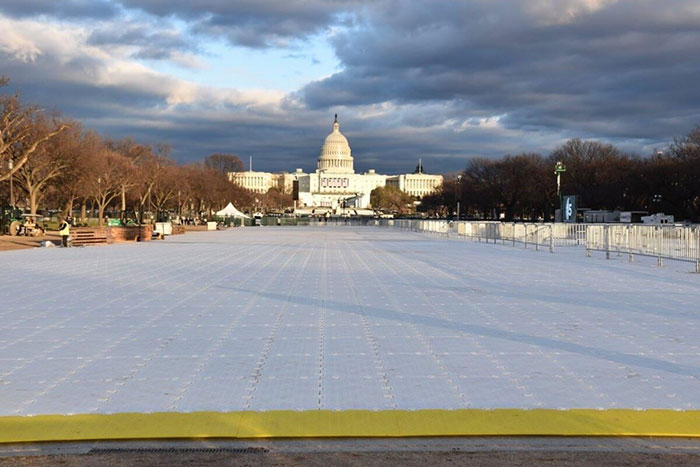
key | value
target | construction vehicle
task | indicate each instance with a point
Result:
(14, 223)
(10, 219)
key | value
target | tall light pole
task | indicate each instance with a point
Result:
(559, 168)
(459, 194)
(295, 192)
(11, 165)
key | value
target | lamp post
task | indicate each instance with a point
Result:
(11, 165)
(459, 194)
(559, 168)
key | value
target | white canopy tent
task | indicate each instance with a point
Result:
(231, 211)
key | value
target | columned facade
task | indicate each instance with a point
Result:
(335, 184)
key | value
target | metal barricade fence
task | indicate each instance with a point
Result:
(569, 234)
(662, 242)
(535, 235)
(440, 227)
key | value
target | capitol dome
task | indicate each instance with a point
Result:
(335, 153)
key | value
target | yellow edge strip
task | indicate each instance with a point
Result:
(351, 423)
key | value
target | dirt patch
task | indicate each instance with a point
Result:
(8, 242)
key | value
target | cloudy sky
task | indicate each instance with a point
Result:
(440, 80)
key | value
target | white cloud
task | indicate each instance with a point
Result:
(190, 61)
(64, 50)
(15, 44)
(550, 12)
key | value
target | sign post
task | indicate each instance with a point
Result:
(559, 168)
(295, 193)
(568, 209)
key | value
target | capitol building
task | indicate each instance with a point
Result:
(334, 183)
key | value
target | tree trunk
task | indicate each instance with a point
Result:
(33, 202)
(100, 214)
(140, 213)
(83, 212)
(68, 209)
(122, 211)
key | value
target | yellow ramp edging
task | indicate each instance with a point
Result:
(351, 423)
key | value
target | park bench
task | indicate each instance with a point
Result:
(88, 236)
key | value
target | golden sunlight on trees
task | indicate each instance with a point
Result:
(55, 163)
(390, 199)
(23, 130)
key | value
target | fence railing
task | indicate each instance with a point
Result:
(661, 242)
(516, 234)
(680, 243)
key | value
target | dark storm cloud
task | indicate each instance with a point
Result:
(151, 43)
(626, 70)
(75, 88)
(61, 9)
(441, 80)
(252, 23)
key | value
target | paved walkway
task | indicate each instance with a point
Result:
(340, 318)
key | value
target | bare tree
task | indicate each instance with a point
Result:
(595, 171)
(47, 163)
(276, 199)
(104, 182)
(148, 170)
(19, 138)
(80, 147)
(224, 163)
(165, 188)
(137, 155)
(185, 187)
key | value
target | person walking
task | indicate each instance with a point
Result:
(64, 232)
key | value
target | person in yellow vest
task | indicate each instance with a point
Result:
(64, 232)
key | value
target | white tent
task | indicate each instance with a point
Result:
(231, 211)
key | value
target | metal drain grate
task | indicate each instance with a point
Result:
(176, 450)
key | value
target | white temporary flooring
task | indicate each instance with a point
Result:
(340, 318)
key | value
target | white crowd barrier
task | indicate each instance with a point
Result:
(535, 235)
(663, 242)
(680, 243)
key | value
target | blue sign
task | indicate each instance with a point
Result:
(568, 209)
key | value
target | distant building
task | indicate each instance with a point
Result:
(416, 184)
(658, 219)
(609, 217)
(334, 182)
(261, 182)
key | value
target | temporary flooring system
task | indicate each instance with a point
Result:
(342, 331)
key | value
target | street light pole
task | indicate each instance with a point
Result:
(11, 165)
(459, 195)
(559, 168)
(295, 192)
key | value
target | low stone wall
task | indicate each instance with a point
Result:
(82, 236)
(178, 229)
(131, 233)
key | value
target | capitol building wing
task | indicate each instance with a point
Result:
(334, 183)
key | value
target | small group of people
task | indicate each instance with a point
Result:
(190, 221)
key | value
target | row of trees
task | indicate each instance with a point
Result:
(54, 163)
(523, 186)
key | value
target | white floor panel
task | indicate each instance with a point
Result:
(341, 318)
